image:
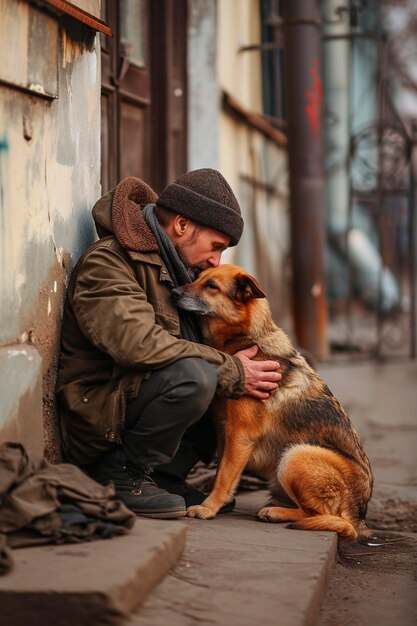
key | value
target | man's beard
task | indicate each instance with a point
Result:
(193, 271)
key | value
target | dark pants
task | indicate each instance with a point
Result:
(167, 424)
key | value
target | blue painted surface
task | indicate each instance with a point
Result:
(4, 144)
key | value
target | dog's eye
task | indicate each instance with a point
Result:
(210, 284)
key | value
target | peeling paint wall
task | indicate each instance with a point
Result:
(258, 171)
(238, 24)
(49, 179)
(255, 166)
(203, 86)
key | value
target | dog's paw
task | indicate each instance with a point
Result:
(201, 512)
(271, 514)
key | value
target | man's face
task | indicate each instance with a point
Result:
(202, 249)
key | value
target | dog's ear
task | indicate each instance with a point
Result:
(247, 288)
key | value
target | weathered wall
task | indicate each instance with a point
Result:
(257, 170)
(255, 166)
(203, 86)
(239, 25)
(49, 179)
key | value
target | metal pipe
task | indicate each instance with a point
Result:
(303, 86)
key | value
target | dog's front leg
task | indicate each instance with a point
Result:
(237, 453)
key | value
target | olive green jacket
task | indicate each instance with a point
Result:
(119, 325)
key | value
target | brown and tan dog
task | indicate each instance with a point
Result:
(300, 438)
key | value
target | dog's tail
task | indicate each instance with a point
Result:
(327, 522)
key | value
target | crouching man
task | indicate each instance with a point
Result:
(135, 383)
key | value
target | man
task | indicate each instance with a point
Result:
(134, 383)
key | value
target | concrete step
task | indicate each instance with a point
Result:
(238, 571)
(88, 584)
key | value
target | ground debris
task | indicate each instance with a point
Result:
(393, 514)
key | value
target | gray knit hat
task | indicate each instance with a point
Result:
(206, 198)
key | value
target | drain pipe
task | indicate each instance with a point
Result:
(303, 87)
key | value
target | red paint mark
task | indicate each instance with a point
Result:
(314, 99)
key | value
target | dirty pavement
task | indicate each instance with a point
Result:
(236, 570)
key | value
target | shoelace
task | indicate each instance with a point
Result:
(139, 478)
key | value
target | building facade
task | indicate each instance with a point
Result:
(49, 177)
(95, 92)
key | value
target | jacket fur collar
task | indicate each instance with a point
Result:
(120, 213)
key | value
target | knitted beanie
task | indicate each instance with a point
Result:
(206, 198)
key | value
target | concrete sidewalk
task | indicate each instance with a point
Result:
(238, 571)
(234, 569)
(91, 583)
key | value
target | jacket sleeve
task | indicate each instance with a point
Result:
(112, 310)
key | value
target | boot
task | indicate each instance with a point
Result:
(134, 486)
(190, 494)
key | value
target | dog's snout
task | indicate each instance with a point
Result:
(176, 293)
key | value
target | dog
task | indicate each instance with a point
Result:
(300, 439)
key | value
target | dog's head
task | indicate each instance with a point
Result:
(224, 292)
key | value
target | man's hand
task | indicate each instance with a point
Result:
(261, 377)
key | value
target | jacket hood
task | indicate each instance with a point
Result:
(119, 213)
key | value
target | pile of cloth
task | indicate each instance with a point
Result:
(44, 503)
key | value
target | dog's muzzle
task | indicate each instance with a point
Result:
(176, 294)
(184, 300)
